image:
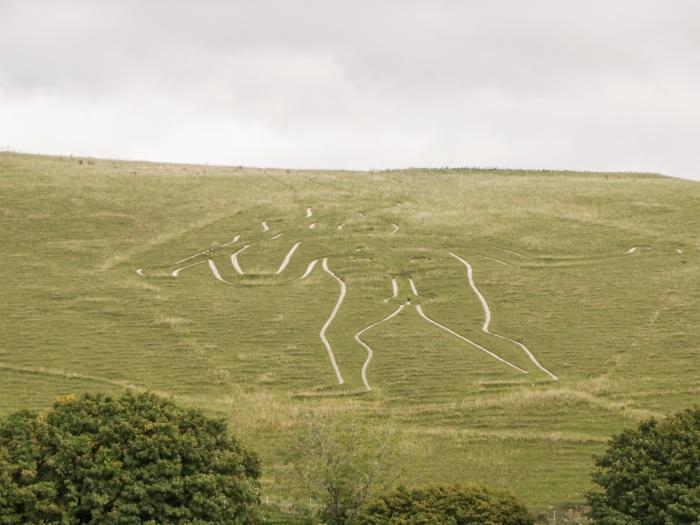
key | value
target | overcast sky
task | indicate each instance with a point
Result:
(596, 85)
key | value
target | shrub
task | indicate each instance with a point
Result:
(650, 475)
(130, 459)
(342, 465)
(469, 504)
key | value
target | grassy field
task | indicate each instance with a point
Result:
(549, 253)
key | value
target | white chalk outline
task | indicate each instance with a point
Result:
(275, 237)
(324, 340)
(477, 345)
(631, 250)
(413, 286)
(487, 319)
(265, 227)
(140, 272)
(508, 251)
(340, 226)
(312, 225)
(309, 269)
(287, 258)
(396, 228)
(394, 290)
(190, 257)
(370, 352)
(235, 239)
(215, 271)
(309, 213)
(234, 260)
(176, 272)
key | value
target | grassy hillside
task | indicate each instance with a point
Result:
(552, 258)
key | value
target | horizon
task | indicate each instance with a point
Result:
(331, 170)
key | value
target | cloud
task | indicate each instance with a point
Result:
(603, 85)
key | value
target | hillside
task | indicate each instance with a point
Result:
(506, 322)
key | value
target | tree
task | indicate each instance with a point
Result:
(468, 504)
(124, 460)
(650, 475)
(342, 465)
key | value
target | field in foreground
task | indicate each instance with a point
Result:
(525, 316)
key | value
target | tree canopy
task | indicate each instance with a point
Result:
(129, 460)
(650, 475)
(469, 504)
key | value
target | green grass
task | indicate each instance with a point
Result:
(621, 331)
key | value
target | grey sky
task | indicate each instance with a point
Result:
(601, 85)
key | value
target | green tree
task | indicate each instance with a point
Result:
(650, 475)
(124, 460)
(468, 504)
(341, 465)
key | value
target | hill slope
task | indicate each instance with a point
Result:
(589, 283)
